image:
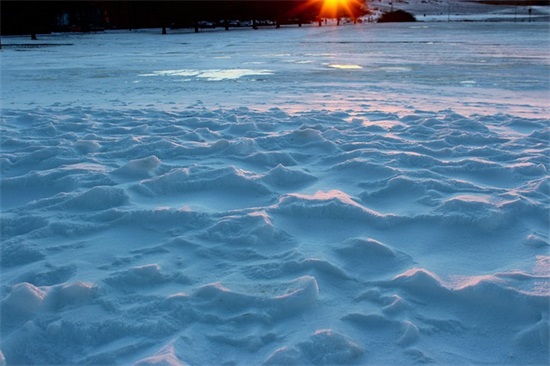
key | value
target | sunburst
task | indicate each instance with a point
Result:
(340, 8)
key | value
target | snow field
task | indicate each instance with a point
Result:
(194, 240)
(315, 196)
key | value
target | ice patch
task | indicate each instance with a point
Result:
(345, 66)
(394, 69)
(211, 74)
(183, 72)
(218, 75)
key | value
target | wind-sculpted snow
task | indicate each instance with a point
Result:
(263, 237)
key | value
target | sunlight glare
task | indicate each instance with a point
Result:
(332, 4)
(345, 66)
(337, 8)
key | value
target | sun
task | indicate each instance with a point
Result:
(332, 4)
(339, 8)
(333, 9)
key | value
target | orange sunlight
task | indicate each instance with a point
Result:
(338, 8)
(331, 6)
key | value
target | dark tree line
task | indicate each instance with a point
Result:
(34, 17)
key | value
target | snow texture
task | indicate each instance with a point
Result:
(235, 198)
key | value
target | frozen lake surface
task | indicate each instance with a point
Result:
(470, 67)
(369, 194)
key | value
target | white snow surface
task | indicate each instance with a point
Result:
(368, 194)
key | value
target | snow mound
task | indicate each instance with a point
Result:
(487, 298)
(71, 295)
(13, 226)
(420, 280)
(324, 347)
(98, 198)
(139, 168)
(487, 212)
(365, 170)
(365, 249)
(165, 357)
(26, 301)
(306, 138)
(13, 254)
(195, 179)
(536, 336)
(283, 177)
(272, 270)
(142, 277)
(255, 229)
(367, 256)
(536, 241)
(410, 333)
(286, 299)
(425, 283)
(332, 204)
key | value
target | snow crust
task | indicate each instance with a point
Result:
(295, 216)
